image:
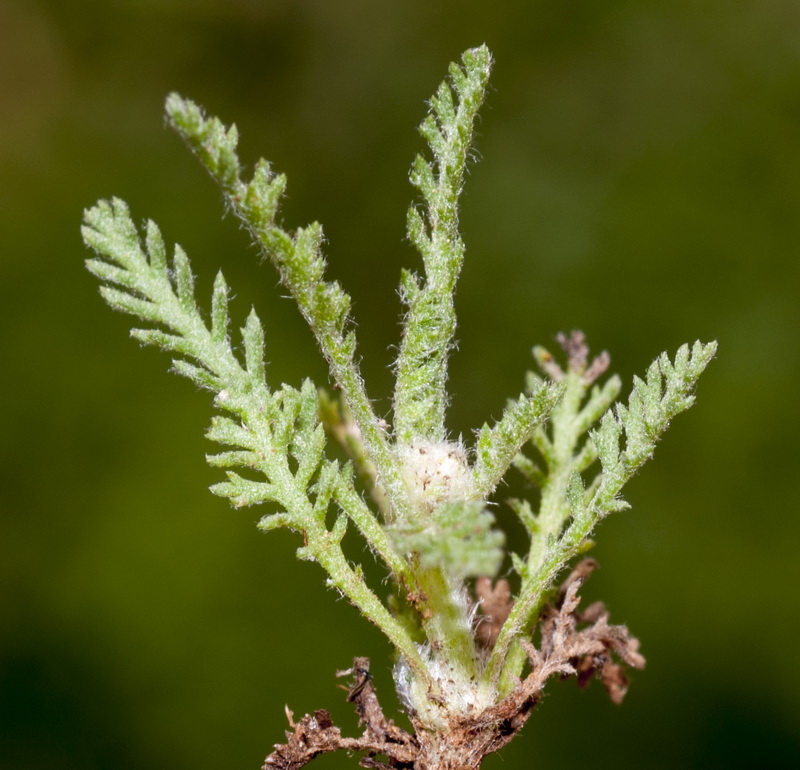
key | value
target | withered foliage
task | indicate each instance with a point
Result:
(573, 642)
(582, 642)
(315, 734)
(495, 605)
(574, 345)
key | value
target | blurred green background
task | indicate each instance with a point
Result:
(639, 178)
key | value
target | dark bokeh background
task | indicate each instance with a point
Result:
(639, 179)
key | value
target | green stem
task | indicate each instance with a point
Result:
(373, 436)
(326, 549)
(375, 535)
(445, 622)
(532, 597)
(554, 509)
(544, 560)
(339, 423)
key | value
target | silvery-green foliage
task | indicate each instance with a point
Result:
(569, 509)
(420, 501)
(276, 433)
(420, 396)
(457, 536)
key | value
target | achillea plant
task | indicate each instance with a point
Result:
(472, 657)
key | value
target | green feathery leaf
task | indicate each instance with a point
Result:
(301, 266)
(498, 446)
(420, 397)
(457, 537)
(624, 440)
(434, 530)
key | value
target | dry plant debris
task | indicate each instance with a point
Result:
(572, 643)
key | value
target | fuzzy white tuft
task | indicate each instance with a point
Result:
(459, 694)
(436, 473)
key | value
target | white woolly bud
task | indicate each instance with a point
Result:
(459, 693)
(436, 473)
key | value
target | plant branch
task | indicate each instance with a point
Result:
(420, 397)
(667, 391)
(301, 266)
